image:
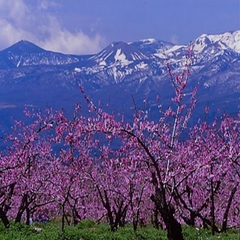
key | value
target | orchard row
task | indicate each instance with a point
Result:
(102, 168)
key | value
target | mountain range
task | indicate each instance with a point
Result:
(121, 75)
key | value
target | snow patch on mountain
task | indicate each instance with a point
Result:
(171, 52)
(226, 40)
(148, 41)
(152, 45)
(141, 65)
(121, 57)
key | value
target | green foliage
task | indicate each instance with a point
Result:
(89, 230)
(190, 233)
(88, 223)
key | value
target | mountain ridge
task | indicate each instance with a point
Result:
(32, 76)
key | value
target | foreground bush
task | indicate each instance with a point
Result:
(87, 231)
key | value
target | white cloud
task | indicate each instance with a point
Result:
(19, 20)
(43, 5)
(48, 4)
(67, 41)
(14, 11)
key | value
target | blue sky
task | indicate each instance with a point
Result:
(87, 26)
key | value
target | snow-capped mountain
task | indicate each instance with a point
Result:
(117, 63)
(32, 76)
(152, 46)
(120, 52)
(25, 53)
(228, 40)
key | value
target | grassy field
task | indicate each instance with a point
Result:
(88, 230)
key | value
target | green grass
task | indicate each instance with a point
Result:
(202, 234)
(88, 230)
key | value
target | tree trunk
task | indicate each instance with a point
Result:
(63, 217)
(106, 204)
(225, 216)
(212, 206)
(21, 208)
(155, 221)
(120, 214)
(4, 218)
(174, 228)
(28, 216)
(166, 210)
